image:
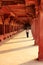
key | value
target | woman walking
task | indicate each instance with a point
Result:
(27, 33)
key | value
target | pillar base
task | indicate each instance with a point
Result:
(40, 54)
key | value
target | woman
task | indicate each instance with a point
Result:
(27, 33)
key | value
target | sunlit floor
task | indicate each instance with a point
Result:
(19, 50)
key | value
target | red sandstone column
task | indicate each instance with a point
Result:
(41, 37)
(40, 56)
(3, 28)
(37, 28)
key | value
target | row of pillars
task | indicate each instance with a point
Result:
(7, 27)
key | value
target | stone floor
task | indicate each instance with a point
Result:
(19, 50)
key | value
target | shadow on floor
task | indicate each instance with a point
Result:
(18, 41)
(20, 38)
(16, 49)
(33, 62)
